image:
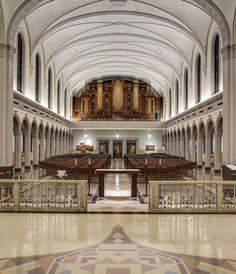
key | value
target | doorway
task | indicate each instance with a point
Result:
(131, 147)
(117, 149)
(103, 146)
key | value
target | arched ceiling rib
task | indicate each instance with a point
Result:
(144, 38)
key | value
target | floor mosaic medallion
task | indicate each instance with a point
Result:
(117, 254)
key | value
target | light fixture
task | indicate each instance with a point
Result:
(149, 135)
(85, 134)
(117, 134)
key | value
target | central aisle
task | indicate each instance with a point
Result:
(117, 193)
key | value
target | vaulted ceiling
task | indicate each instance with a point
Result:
(147, 39)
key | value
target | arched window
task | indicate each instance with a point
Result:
(186, 88)
(216, 68)
(177, 96)
(58, 96)
(198, 79)
(49, 88)
(65, 103)
(37, 78)
(20, 58)
(170, 105)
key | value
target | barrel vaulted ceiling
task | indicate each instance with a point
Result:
(147, 39)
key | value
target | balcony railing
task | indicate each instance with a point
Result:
(43, 196)
(193, 196)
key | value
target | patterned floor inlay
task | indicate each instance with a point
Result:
(117, 254)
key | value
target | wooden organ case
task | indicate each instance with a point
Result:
(117, 99)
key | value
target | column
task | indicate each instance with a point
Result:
(193, 149)
(18, 151)
(6, 104)
(177, 150)
(48, 148)
(199, 150)
(182, 146)
(217, 153)
(99, 95)
(187, 148)
(53, 145)
(27, 150)
(57, 141)
(229, 102)
(35, 150)
(208, 152)
(86, 105)
(42, 147)
(135, 95)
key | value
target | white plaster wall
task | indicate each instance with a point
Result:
(140, 135)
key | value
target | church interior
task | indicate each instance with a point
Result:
(117, 141)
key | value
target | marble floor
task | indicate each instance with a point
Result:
(117, 243)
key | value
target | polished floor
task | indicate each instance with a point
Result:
(117, 243)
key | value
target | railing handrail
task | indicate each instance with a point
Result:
(41, 181)
(192, 182)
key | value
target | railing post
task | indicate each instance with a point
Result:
(153, 197)
(82, 196)
(16, 196)
(219, 196)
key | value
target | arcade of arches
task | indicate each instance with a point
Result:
(123, 100)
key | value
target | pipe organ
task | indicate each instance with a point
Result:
(117, 99)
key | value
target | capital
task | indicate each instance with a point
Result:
(7, 50)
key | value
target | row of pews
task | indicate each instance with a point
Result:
(160, 166)
(76, 167)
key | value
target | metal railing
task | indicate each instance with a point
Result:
(43, 196)
(192, 196)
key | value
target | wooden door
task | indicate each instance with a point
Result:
(117, 149)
